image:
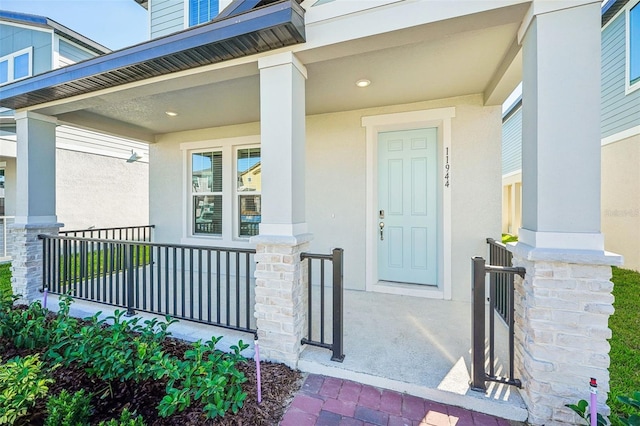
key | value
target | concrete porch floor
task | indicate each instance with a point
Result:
(418, 346)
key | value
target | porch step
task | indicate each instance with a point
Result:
(508, 406)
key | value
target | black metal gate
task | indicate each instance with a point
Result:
(501, 300)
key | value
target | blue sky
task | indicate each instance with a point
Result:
(112, 23)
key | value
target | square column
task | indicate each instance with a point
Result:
(561, 126)
(282, 128)
(281, 280)
(35, 200)
(562, 306)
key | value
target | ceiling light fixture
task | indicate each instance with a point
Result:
(171, 113)
(134, 157)
(363, 82)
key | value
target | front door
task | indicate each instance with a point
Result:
(407, 211)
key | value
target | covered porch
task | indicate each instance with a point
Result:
(281, 79)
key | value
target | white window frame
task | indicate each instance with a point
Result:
(236, 193)
(10, 68)
(212, 193)
(629, 88)
(230, 223)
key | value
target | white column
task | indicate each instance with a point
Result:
(281, 281)
(35, 200)
(564, 302)
(282, 128)
(561, 128)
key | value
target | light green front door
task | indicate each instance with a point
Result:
(407, 209)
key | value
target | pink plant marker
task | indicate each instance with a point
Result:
(44, 298)
(593, 405)
(257, 357)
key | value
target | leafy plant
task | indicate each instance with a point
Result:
(207, 375)
(582, 410)
(124, 350)
(26, 327)
(634, 402)
(126, 419)
(69, 409)
(22, 381)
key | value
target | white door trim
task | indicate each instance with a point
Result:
(439, 118)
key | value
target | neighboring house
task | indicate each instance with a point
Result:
(620, 133)
(95, 185)
(377, 127)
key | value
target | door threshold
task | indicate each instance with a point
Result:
(406, 289)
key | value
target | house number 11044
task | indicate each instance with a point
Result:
(447, 167)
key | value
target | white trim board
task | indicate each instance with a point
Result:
(439, 118)
(620, 136)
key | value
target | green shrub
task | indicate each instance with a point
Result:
(126, 419)
(69, 409)
(26, 327)
(22, 381)
(207, 375)
(122, 351)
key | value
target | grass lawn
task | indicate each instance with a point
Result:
(5, 278)
(625, 343)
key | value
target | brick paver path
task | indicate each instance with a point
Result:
(327, 401)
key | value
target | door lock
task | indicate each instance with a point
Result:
(381, 214)
(381, 224)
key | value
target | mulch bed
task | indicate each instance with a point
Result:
(279, 384)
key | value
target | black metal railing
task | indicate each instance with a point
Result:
(500, 256)
(123, 233)
(211, 285)
(329, 314)
(479, 375)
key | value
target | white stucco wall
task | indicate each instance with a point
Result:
(100, 191)
(336, 184)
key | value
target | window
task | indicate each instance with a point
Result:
(201, 11)
(248, 188)
(223, 189)
(634, 45)
(15, 66)
(206, 193)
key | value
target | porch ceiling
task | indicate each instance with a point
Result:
(444, 59)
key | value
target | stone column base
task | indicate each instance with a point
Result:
(281, 296)
(562, 309)
(27, 263)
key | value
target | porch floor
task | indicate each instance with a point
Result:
(418, 346)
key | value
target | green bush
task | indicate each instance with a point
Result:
(207, 375)
(126, 419)
(69, 409)
(22, 381)
(634, 403)
(123, 351)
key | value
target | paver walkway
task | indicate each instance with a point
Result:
(327, 401)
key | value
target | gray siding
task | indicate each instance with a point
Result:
(70, 53)
(512, 143)
(167, 16)
(13, 39)
(619, 111)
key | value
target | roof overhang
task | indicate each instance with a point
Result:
(259, 30)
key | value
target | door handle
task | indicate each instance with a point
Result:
(381, 225)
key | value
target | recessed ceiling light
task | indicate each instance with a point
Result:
(171, 113)
(363, 82)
